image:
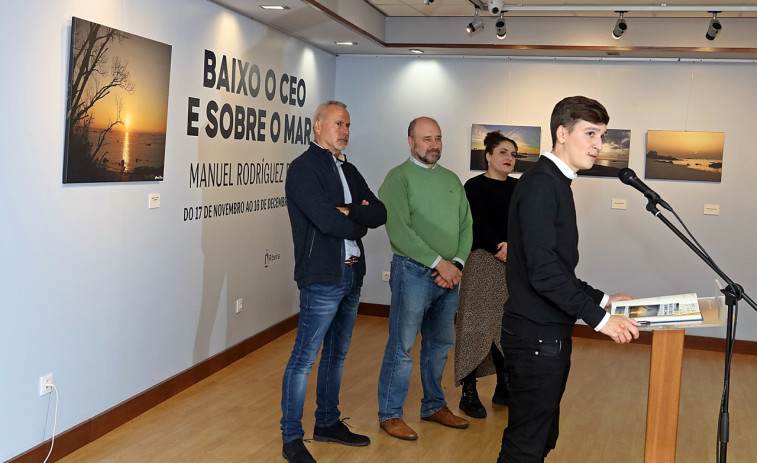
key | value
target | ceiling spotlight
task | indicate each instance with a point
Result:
(715, 26)
(620, 26)
(500, 25)
(496, 6)
(428, 2)
(475, 24)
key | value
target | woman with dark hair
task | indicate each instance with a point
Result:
(483, 291)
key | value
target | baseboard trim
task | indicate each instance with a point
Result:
(375, 310)
(690, 341)
(645, 337)
(82, 434)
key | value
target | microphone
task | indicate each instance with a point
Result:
(628, 176)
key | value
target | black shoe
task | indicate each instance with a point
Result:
(296, 452)
(469, 401)
(501, 394)
(339, 433)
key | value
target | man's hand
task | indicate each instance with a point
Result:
(446, 274)
(501, 251)
(621, 329)
(346, 211)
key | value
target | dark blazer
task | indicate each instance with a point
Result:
(546, 297)
(314, 190)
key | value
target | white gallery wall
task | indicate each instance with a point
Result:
(113, 298)
(108, 295)
(621, 250)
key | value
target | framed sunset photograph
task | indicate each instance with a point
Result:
(693, 156)
(117, 109)
(614, 154)
(527, 138)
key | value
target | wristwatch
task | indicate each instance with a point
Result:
(457, 264)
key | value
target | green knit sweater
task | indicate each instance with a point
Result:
(427, 213)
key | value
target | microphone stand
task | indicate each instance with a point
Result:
(733, 293)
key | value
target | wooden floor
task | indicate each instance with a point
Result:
(233, 416)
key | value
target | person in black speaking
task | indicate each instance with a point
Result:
(546, 297)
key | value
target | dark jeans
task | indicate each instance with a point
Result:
(327, 316)
(538, 371)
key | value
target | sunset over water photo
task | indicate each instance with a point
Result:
(117, 106)
(694, 156)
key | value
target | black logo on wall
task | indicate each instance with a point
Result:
(271, 257)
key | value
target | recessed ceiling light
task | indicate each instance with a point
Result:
(346, 43)
(274, 7)
(416, 51)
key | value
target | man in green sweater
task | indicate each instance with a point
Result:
(430, 229)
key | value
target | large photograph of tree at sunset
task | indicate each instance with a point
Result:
(117, 106)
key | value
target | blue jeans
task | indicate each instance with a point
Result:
(327, 316)
(418, 304)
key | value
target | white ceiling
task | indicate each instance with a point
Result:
(674, 29)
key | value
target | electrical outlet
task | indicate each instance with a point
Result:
(239, 305)
(45, 384)
(384, 276)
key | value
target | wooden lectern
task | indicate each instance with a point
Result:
(665, 380)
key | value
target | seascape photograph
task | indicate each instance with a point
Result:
(117, 108)
(692, 156)
(528, 140)
(614, 154)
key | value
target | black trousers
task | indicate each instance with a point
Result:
(538, 371)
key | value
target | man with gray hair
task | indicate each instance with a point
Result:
(330, 209)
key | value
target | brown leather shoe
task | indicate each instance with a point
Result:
(447, 418)
(396, 427)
